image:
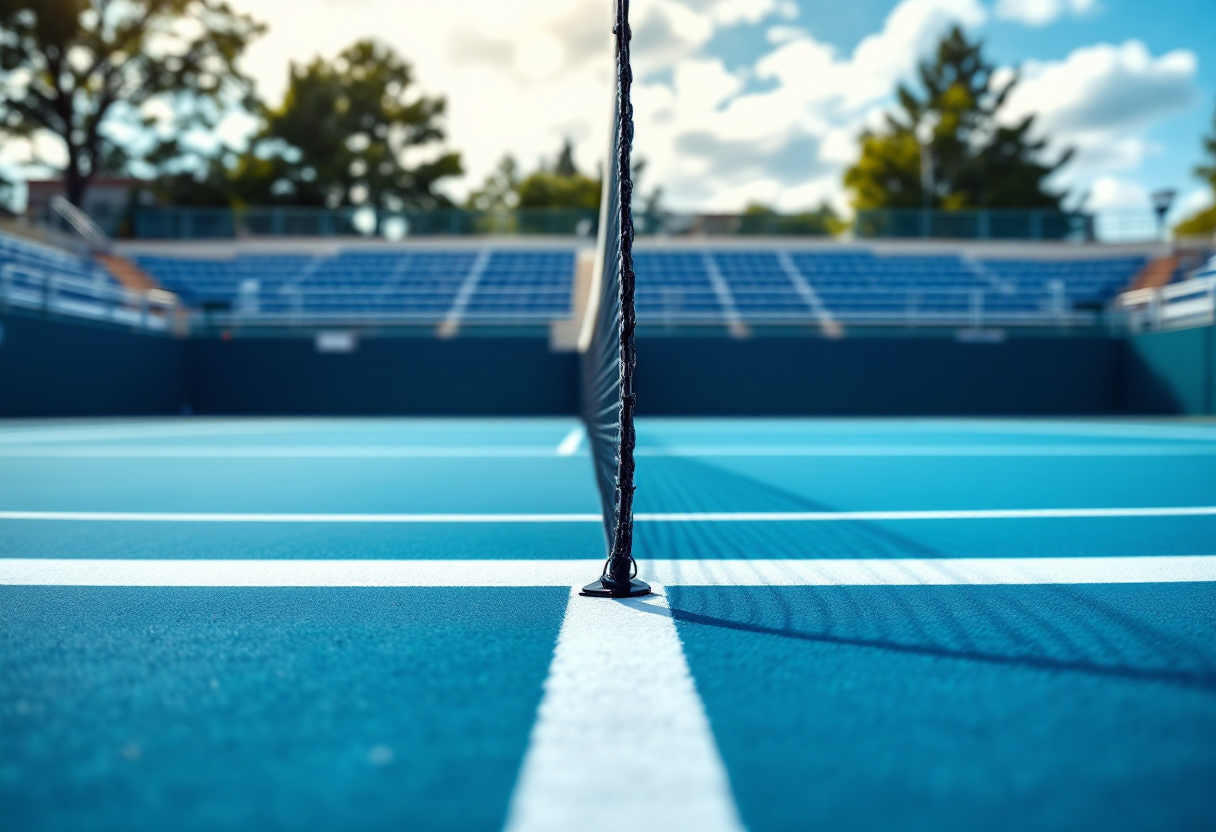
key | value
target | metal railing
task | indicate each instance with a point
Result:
(51, 293)
(225, 223)
(96, 240)
(1032, 225)
(1188, 303)
(295, 305)
(994, 224)
(946, 308)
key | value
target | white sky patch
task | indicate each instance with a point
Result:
(1042, 12)
(1114, 192)
(1193, 201)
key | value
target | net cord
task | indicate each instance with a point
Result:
(621, 566)
(606, 337)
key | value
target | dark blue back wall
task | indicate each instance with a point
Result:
(878, 376)
(55, 367)
(384, 376)
(61, 368)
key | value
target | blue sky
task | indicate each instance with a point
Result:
(762, 100)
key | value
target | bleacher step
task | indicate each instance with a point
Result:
(127, 273)
(1156, 273)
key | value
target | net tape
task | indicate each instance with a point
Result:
(609, 355)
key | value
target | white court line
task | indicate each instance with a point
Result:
(573, 439)
(284, 451)
(1162, 449)
(621, 739)
(640, 517)
(571, 444)
(224, 517)
(564, 573)
(960, 514)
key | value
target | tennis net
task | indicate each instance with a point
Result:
(607, 342)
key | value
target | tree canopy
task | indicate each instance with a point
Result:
(1203, 222)
(349, 132)
(76, 69)
(978, 160)
(559, 184)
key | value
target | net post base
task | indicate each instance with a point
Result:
(598, 590)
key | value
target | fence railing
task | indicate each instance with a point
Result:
(975, 225)
(973, 309)
(1176, 306)
(221, 223)
(294, 305)
(52, 293)
(225, 223)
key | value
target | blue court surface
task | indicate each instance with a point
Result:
(369, 624)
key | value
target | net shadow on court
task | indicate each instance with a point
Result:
(1054, 628)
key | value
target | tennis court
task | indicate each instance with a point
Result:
(357, 624)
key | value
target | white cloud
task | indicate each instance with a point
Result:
(1191, 203)
(1107, 86)
(786, 140)
(1109, 192)
(1041, 12)
(1101, 100)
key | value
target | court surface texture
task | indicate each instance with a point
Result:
(369, 624)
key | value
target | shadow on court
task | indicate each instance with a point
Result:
(960, 707)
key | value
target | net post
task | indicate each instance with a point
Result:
(615, 323)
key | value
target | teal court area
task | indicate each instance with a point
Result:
(369, 624)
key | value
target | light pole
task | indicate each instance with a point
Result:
(1162, 202)
(925, 129)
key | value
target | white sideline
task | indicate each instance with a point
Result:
(621, 739)
(507, 573)
(573, 439)
(1060, 450)
(572, 443)
(280, 452)
(640, 517)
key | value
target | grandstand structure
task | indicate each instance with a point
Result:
(49, 280)
(741, 285)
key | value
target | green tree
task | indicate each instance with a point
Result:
(557, 185)
(74, 68)
(6, 195)
(560, 186)
(498, 192)
(1203, 222)
(346, 134)
(977, 161)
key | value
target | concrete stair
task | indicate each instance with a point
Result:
(1156, 273)
(127, 273)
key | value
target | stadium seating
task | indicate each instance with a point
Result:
(39, 276)
(857, 284)
(420, 284)
(677, 285)
(20, 252)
